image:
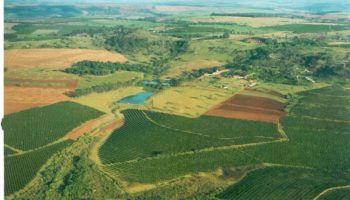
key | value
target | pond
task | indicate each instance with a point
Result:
(138, 99)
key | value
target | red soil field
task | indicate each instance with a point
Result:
(106, 124)
(249, 107)
(22, 98)
(257, 102)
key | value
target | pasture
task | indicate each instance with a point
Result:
(55, 58)
(187, 100)
(89, 81)
(206, 53)
(249, 21)
(106, 101)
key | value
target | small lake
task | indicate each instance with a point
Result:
(138, 99)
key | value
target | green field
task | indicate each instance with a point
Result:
(308, 156)
(191, 56)
(296, 184)
(37, 127)
(21, 169)
(90, 81)
(155, 138)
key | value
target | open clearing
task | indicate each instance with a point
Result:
(105, 101)
(56, 58)
(188, 101)
(250, 107)
(22, 98)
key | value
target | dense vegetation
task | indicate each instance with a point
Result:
(287, 62)
(21, 169)
(36, 127)
(103, 68)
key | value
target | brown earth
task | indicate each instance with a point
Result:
(255, 101)
(22, 98)
(106, 124)
(56, 58)
(249, 107)
(112, 126)
(90, 126)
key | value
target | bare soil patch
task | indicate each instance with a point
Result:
(249, 107)
(56, 58)
(256, 102)
(22, 98)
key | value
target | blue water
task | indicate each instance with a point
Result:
(138, 99)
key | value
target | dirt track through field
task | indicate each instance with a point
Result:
(90, 126)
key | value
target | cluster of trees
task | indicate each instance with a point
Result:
(98, 68)
(99, 88)
(283, 62)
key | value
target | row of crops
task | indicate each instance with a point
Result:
(21, 169)
(148, 134)
(281, 183)
(37, 131)
(37, 127)
(161, 169)
(206, 125)
(317, 155)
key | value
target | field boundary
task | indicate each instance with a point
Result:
(331, 190)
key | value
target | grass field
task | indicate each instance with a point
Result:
(40, 126)
(89, 81)
(187, 100)
(40, 74)
(55, 58)
(106, 101)
(249, 21)
(206, 53)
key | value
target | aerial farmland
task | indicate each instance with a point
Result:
(218, 100)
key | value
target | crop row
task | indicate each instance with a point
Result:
(141, 138)
(216, 126)
(36, 127)
(21, 169)
(281, 183)
(160, 169)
